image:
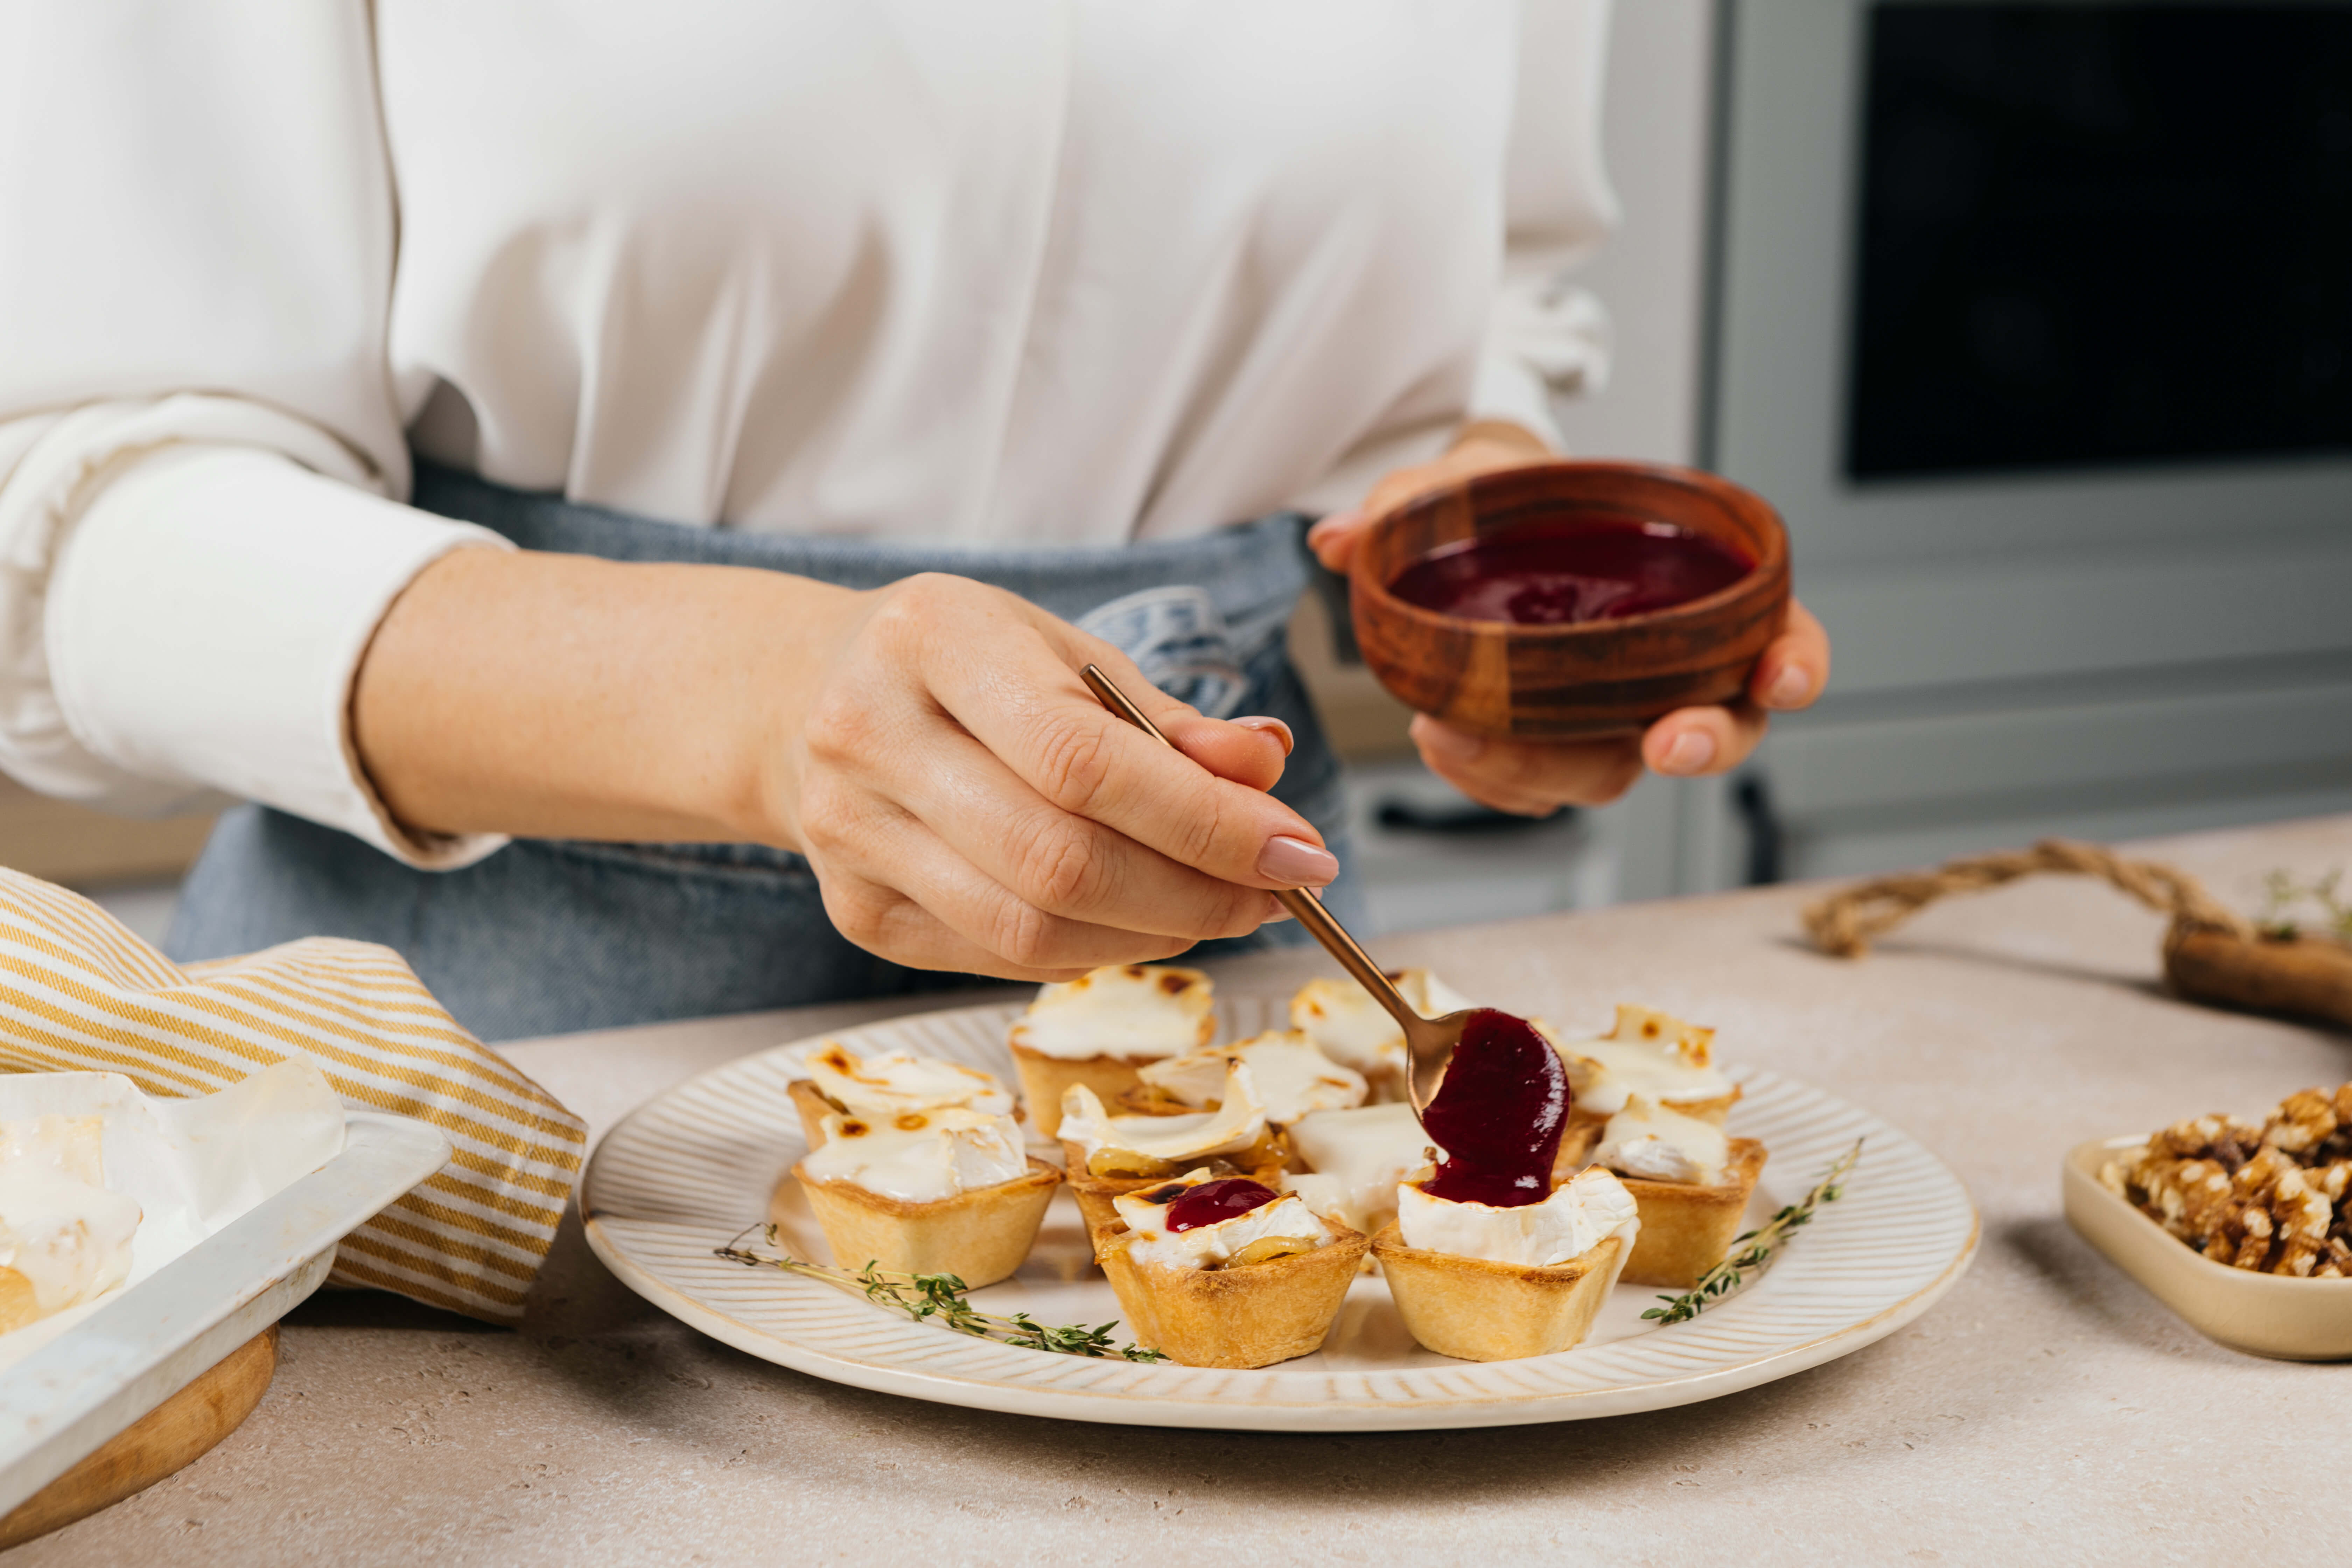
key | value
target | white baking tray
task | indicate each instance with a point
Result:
(155, 1337)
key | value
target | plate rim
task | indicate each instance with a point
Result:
(1127, 1408)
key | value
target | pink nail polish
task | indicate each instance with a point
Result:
(1790, 688)
(1296, 863)
(1265, 726)
(1693, 750)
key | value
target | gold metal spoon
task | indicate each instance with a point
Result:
(1429, 1042)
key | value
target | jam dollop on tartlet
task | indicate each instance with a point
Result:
(1098, 1029)
(1691, 1182)
(1346, 1025)
(1108, 1156)
(1651, 1054)
(1226, 1271)
(1487, 1259)
(842, 1082)
(927, 1192)
(1293, 1078)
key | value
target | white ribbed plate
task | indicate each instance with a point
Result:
(690, 1170)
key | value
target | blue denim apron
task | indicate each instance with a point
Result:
(551, 935)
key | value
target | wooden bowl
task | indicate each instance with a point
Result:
(1594, 677)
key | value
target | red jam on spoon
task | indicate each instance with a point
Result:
(1498, 1115)
(1213, 1203)
(1588, 566)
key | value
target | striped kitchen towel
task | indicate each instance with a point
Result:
(80, 993)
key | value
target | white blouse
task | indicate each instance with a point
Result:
(1065, 271)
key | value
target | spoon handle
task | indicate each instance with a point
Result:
(1303, 905)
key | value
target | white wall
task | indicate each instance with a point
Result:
(1652, 274)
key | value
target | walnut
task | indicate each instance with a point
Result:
(2272, 1198)
(2302, 1120)
(2222, 1137)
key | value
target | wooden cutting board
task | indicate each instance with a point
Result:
(160, 1442)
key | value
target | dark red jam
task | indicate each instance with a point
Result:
(1498, 1114)
(1212, 1202)
(1584, 567)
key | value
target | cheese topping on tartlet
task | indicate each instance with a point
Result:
(1580, 1214)
(1358, 1157)
(1663, 1060)
(1293, 1078)
(60, 1228)
(1238, 1122)
(883, 1086)
(919, 1156)
(1132, 1010)
(1355, 1031)
(1659, 1143)
(1213, 1246)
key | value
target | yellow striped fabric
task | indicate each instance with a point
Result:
(79, 992)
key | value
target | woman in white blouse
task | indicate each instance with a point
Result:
(774, 335)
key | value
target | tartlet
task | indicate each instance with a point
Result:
(1471, 1310)
(1645, 1052)
(1107, 1157)
(1539, 1299)
(1691, 1184)
(840, 1082)
(1293, 1078)
(1344, 1022)
(1685, 1229)
(1263, 1287)
(943, 1192)
(1097, 1031)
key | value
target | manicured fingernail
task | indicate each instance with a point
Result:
(1448, 742)
(1690, 754)
(1790, 687)
(1274, 911)
(1265, 726)
(1296, 862)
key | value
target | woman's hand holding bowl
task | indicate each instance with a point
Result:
(1534, 778)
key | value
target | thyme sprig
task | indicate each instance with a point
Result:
(2283, 896)
(1755, 1249)
(941, 1298)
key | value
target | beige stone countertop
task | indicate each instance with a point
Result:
(2048, 1409)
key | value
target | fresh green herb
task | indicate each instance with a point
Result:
(1756, 1248)
(2283, 896)
(941, 1298)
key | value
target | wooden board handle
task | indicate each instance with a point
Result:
(2307, 977)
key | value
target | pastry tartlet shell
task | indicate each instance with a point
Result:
(1687, 1230)
(814, 1106)
(1471, 1310)
(1253, 1315)
(1044, 1078)
(980, 1236)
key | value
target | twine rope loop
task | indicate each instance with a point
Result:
(1845, 923)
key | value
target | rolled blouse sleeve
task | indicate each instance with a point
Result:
(1545, 337)
(197, 427)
